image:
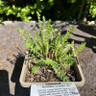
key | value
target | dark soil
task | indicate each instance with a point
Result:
(47, 74)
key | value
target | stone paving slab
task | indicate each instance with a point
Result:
(12, 52)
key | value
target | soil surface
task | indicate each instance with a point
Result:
(46, 74)
(12, 52)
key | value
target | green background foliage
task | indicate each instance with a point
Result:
(92, 9)
(25, 10)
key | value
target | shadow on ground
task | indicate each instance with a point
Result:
(19, 90)
(4, 83)
(90, 41)
(88, 29)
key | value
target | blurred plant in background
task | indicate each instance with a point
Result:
(22, 10)
(67, 10)
(92, 9)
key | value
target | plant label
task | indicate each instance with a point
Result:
(66, 89)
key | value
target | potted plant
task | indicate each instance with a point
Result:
(50, 57)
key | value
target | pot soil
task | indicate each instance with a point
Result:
(46, 75)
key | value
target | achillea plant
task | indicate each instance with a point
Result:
(51, 49)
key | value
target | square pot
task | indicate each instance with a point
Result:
(80, 80)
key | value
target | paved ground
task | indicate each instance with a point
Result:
(12, 51)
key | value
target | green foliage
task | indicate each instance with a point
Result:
(52, 49)
(15, 11)
(23, 10)
(1, 19)
(54, 9)
(92, 9)
(35, 68)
